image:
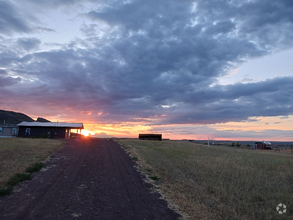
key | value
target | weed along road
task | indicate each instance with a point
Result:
(86, 179)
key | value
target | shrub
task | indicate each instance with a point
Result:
(19, 177)
(6, 191)
(34, 168)
(154, 177)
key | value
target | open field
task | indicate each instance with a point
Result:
(217, 182)
(17, 154)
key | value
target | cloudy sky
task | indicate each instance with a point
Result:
(188, 69)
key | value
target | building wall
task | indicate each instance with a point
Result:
(8, 131)
(55, 132)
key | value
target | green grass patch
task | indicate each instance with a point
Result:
(20, 155)
(154, 177)
(17, 154)
(17, 178)
(6, 191)
(218, 182)
(36, 167)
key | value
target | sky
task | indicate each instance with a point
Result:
(217, 69)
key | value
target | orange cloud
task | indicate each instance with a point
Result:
(85, 113)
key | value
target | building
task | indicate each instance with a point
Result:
(263, 145)
(47, 129)
(155, 137)
(8, 130)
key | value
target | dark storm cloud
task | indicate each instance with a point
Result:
(53, 3)
(157, 61)
(28, 43)
(44, 29)
(15, 20)
(2, 72)
(6, 80)
(238, 102)
(11, 20)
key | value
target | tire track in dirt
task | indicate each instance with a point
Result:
(149, 211)
(56, 189)
(87, 179)
(63, 184)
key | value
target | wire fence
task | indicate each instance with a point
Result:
(280, 148)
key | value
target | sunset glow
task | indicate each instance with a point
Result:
(86, 132)
(261, 128)
(130, 67)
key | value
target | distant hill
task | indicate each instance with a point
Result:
(13, 117)
(39, 119)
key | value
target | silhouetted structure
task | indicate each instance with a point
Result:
(47, 129)
(154, 137)
(263, 145)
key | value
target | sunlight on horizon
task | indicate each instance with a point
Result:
(87, 132)
(254, 128)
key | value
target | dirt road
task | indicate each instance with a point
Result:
(87, 179)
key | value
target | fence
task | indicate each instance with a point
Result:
(283, 148)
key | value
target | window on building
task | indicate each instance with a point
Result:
(13, 131)
(1, 130)
(27, 131)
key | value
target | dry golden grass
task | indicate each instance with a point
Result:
(17, 154)
(218, 182)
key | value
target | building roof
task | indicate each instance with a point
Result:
(52, 124)
(8, 125)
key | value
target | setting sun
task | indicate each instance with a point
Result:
(86, 132)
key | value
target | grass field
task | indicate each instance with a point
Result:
(17, 154)
(217, 182)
